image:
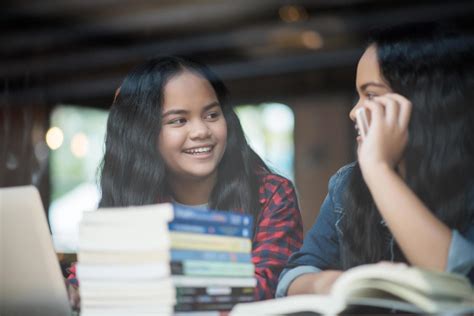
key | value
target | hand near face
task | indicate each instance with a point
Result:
(387, 136)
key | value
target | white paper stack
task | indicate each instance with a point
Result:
(124, 261)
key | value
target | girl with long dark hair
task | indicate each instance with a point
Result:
(173, 137)
(410, 196)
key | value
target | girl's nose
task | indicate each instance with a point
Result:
(199, 130)
(352, 113)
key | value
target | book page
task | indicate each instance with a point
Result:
(390, 295)
(430, 283)
(291, 304)
(403, 288)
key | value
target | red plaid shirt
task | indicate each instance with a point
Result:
(279, 233)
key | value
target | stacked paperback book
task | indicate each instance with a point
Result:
(211, 259)
(164, 259)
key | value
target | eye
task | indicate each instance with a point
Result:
(370, 95)
(212, 116)
(177, 121)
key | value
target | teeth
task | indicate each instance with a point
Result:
(198, 150)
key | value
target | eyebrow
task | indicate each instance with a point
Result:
(178, 111)
(375, 84)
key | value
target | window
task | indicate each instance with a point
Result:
(269, 130)
(76, 139)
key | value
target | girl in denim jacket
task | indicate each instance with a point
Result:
(409, 198)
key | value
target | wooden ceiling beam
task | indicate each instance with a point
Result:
(97, 87)
(246, 41)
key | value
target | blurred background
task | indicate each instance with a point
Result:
(289, 65)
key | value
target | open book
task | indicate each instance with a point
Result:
(388, 286)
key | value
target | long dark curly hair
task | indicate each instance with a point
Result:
(134, 173)
(433, 68)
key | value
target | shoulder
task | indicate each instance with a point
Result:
(341, 177)
(273, 180)
(271, 183)
(279, 206)
(338, 184)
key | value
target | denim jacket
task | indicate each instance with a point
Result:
(322, 245)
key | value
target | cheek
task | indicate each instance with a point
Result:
(221, 132)
(162, 145)
(168, 142)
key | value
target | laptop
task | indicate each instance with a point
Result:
(31, 282)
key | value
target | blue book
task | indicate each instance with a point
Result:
(214, 229)
(184, 255)
(188, 214)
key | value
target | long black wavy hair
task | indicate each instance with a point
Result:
(433, 68)
(133, 171)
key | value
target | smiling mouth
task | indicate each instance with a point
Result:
(199, 150)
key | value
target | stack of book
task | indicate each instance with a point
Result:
(164, 259)
(123, 261)
(211, 259)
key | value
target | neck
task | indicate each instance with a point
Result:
(192, 191)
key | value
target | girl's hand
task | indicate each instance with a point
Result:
(387, 136)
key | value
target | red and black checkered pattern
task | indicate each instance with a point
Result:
(278, 234)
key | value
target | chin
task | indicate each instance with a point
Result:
(202, 174)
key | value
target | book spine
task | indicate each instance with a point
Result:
(207, 299)
(215, 290)
(209, 242)
(206, 228)
(207, 268)
(182, 213)
(204, 307)
(183, 255)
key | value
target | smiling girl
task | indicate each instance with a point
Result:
(171, 136)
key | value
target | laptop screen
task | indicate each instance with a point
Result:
(31, 282)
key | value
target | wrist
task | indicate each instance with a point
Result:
(325, 280)
(374, 171)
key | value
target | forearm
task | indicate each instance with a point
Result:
(422, 237)
(311, 283)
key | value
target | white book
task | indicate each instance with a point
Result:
(130, 237)
(137, 228)
(151, 302)
(148, 213)
(124, 257)
(193, 281)
(122, 272)
(164, 284)
(388, 286)
(115, 293)
(127, 311)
